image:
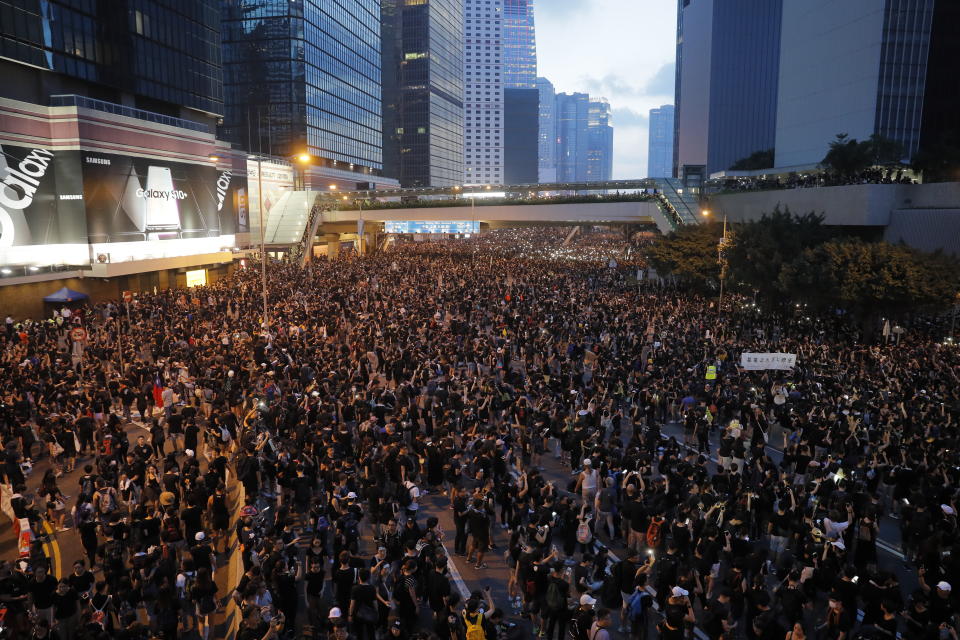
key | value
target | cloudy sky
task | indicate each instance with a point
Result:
(622, 50)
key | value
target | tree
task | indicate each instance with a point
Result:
(755, 161)
(939, 160)
(690, 254)
(847, 157)
(873, 279)
(884, 152)
(764, 246)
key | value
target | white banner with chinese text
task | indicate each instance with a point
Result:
(760, 361)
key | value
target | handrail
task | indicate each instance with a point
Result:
(73, 100)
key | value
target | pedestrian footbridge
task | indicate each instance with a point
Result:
(297, 220)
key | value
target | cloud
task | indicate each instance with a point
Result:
(552, 9)
(661, 84)
(610, 86)
(625, 117)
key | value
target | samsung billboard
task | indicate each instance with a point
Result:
(68, 207)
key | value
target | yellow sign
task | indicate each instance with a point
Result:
(712, 372)
(196, 278)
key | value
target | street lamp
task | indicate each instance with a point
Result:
(721, 259)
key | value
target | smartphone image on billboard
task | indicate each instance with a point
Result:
(154, 209)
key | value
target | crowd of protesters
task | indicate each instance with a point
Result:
(461, 374)
(875, 175)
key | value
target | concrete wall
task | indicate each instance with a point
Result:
(927, 229)
(26, 300)
(926, 216)
(856, 205)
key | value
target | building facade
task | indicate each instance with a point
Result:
(108, 152)
(423, 112)
(547, 133)
(660, 142)
(521, 98)
(872, 79)
(131, 54)
(519, 45)
(483, 101)
(573, 132)
(599, 142)
(728, 54)
(520, 140)
(305, 77)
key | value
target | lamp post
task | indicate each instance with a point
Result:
(263, 245)
(721, 259)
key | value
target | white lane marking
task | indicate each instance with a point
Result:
(455, 574)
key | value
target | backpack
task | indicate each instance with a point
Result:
(113, 551)
(655, 533)
(584, 535)
(108, 501)
(475, 628)
(610, 590)
(351, 528)
(555, 599)
(637, 606)
(87, 489)
(207, 604)
(99, 615)
(405, 499)
(189, 578)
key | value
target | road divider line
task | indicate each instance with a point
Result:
(455, 574)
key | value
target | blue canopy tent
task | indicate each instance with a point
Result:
(65, 295)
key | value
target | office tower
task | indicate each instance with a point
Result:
(599, 142)
(521, 98)
(728, 54)
(305, 76)
(519, 45)
(483, 79)
(660, 142)
(138, 88)
(130, 57)
(857, 67)
(573, 129)
(547, 147)
(423, 92)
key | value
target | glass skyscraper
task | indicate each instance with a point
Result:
(519, 45)
(162, 57)
(305, 76)
(573, 133)
(660, 143)
(599, 142)
(547, 147)
(423, 92)
(728, 57)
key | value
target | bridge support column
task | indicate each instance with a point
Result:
(333, 244)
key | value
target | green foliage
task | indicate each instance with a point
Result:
(848, 157)
(755, 161)
(939, 160)
(762, 247)
(690, 254)
(884, 152)
(872, 279)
